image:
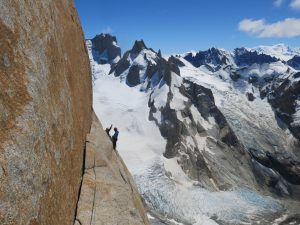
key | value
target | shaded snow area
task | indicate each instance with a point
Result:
(162, 183)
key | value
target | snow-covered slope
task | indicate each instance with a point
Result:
(116, 103)
(253, 121)
(255, 78)
(280, 51)
(185, 135)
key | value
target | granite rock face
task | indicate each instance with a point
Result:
(45, 111)
(108, 193)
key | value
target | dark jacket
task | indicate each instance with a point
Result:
(115, 136)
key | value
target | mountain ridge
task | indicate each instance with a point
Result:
(187, 104)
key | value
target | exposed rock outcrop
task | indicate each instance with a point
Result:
(183, 131)
(211, 56)
(45, 111)
(245, 57)
(188, 119)
(108, 193)
(144, 66)
(105, 49)
(250, 96)
(278, 170)
(284, 98)
(294, 62)
(138, 47)
(45, 116)
(220, 58)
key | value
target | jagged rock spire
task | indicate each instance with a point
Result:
(159, 53)
(107, 48)
(138, 46)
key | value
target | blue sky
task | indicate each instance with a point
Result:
(177, 26)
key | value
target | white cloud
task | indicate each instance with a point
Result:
(286, 28)
(278, 3)
(252, 26)
(295, 4)
(107, 30)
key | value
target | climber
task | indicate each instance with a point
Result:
(108, 130)
(114, 138)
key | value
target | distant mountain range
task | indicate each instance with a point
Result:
(280, 51)
(204, 128)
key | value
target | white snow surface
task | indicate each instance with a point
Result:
(161, 182)
(230, 98)
(280, 51)
(127, 108)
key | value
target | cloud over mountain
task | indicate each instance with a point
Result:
(287, 28)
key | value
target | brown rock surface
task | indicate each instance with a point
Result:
(108, 193)
(45, 111)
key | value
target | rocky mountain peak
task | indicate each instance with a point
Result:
(294, 62)
(240, 51)
(159, 53)
(138, 46)
(212, 56)
(280, 51)
(105, 36)
(142, 65)
(105, 48)
(208, 117)
(243, 56)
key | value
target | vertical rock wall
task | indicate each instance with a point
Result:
(108, 194)
(45, 111)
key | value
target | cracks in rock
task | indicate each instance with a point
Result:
(123, 177)
(79, 191)
(80, 223)
(97, 175)
(93, 212)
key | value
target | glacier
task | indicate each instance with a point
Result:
(166, 189)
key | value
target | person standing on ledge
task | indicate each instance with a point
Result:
(114, 138)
